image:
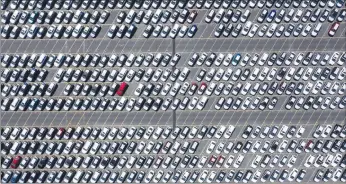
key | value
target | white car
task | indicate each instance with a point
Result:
(219, 74)
(112, 31)
(121, 104)
(193, 103)
(229, 132)
(253, 31)
(184, 73)
(210, 88)
(219, 15)
(149, 177)
(211, 147)
(32, 31)
(174, 31)
(271, 30)
(175, 89)
(247, 28)
(316, 29)
(310, 160)
(182, 32)
(297, 16)
(210, 74)
(256, 161)
(166, 89)
(130, 104)
(307, 30)
(203, 176)
(220, 132)
(202, 102)
(227, 74)
(77, 30)
(229, 161)
(334, 58)
(238, 161)
(300, 132)
(211, 176)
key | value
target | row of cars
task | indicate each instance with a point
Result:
(276, 16)
(53, 31)
(235, 89)
(105, 147)
(250, 29)
(164, 162)
(301, 15)
(227, 103)
(147, 4)
(93, 148)
(101, 104)
(81, 89)
(269, 59)
(315, 103)
(273, 88)
(285, 146)
(156, 16)
(23, 75)
(325, 161)
(273, 74)
(123, 74)
(50, 17)
(165, 59)
(179, 176)
(141, 103)
(291, 15)
(172, 32)
(88, 60)
(127, 133)
(26, 89)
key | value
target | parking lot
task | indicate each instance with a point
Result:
(311, 99)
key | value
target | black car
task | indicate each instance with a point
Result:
(247, 146)
(237, 103)
(291, 131)
(298, 88)
(140, 162)
(247, 132)
(211, 132)
(220, 176)
(289, 30)
(157, 147)
(308, 57)
(238, 147)
(43, 162)
(238, 177)
(272, 88)
(274, 131)
(273, 57)
(194, 176)
(290, 88)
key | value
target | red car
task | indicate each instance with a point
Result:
(202, 88)
(309, 146)
(122, 89)
(15, 162)
(220, 161)
(60, 133)
(333, 29)
(212, 161)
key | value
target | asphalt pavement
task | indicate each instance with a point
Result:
(203, 41)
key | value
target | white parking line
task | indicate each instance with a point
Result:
(9, 120)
